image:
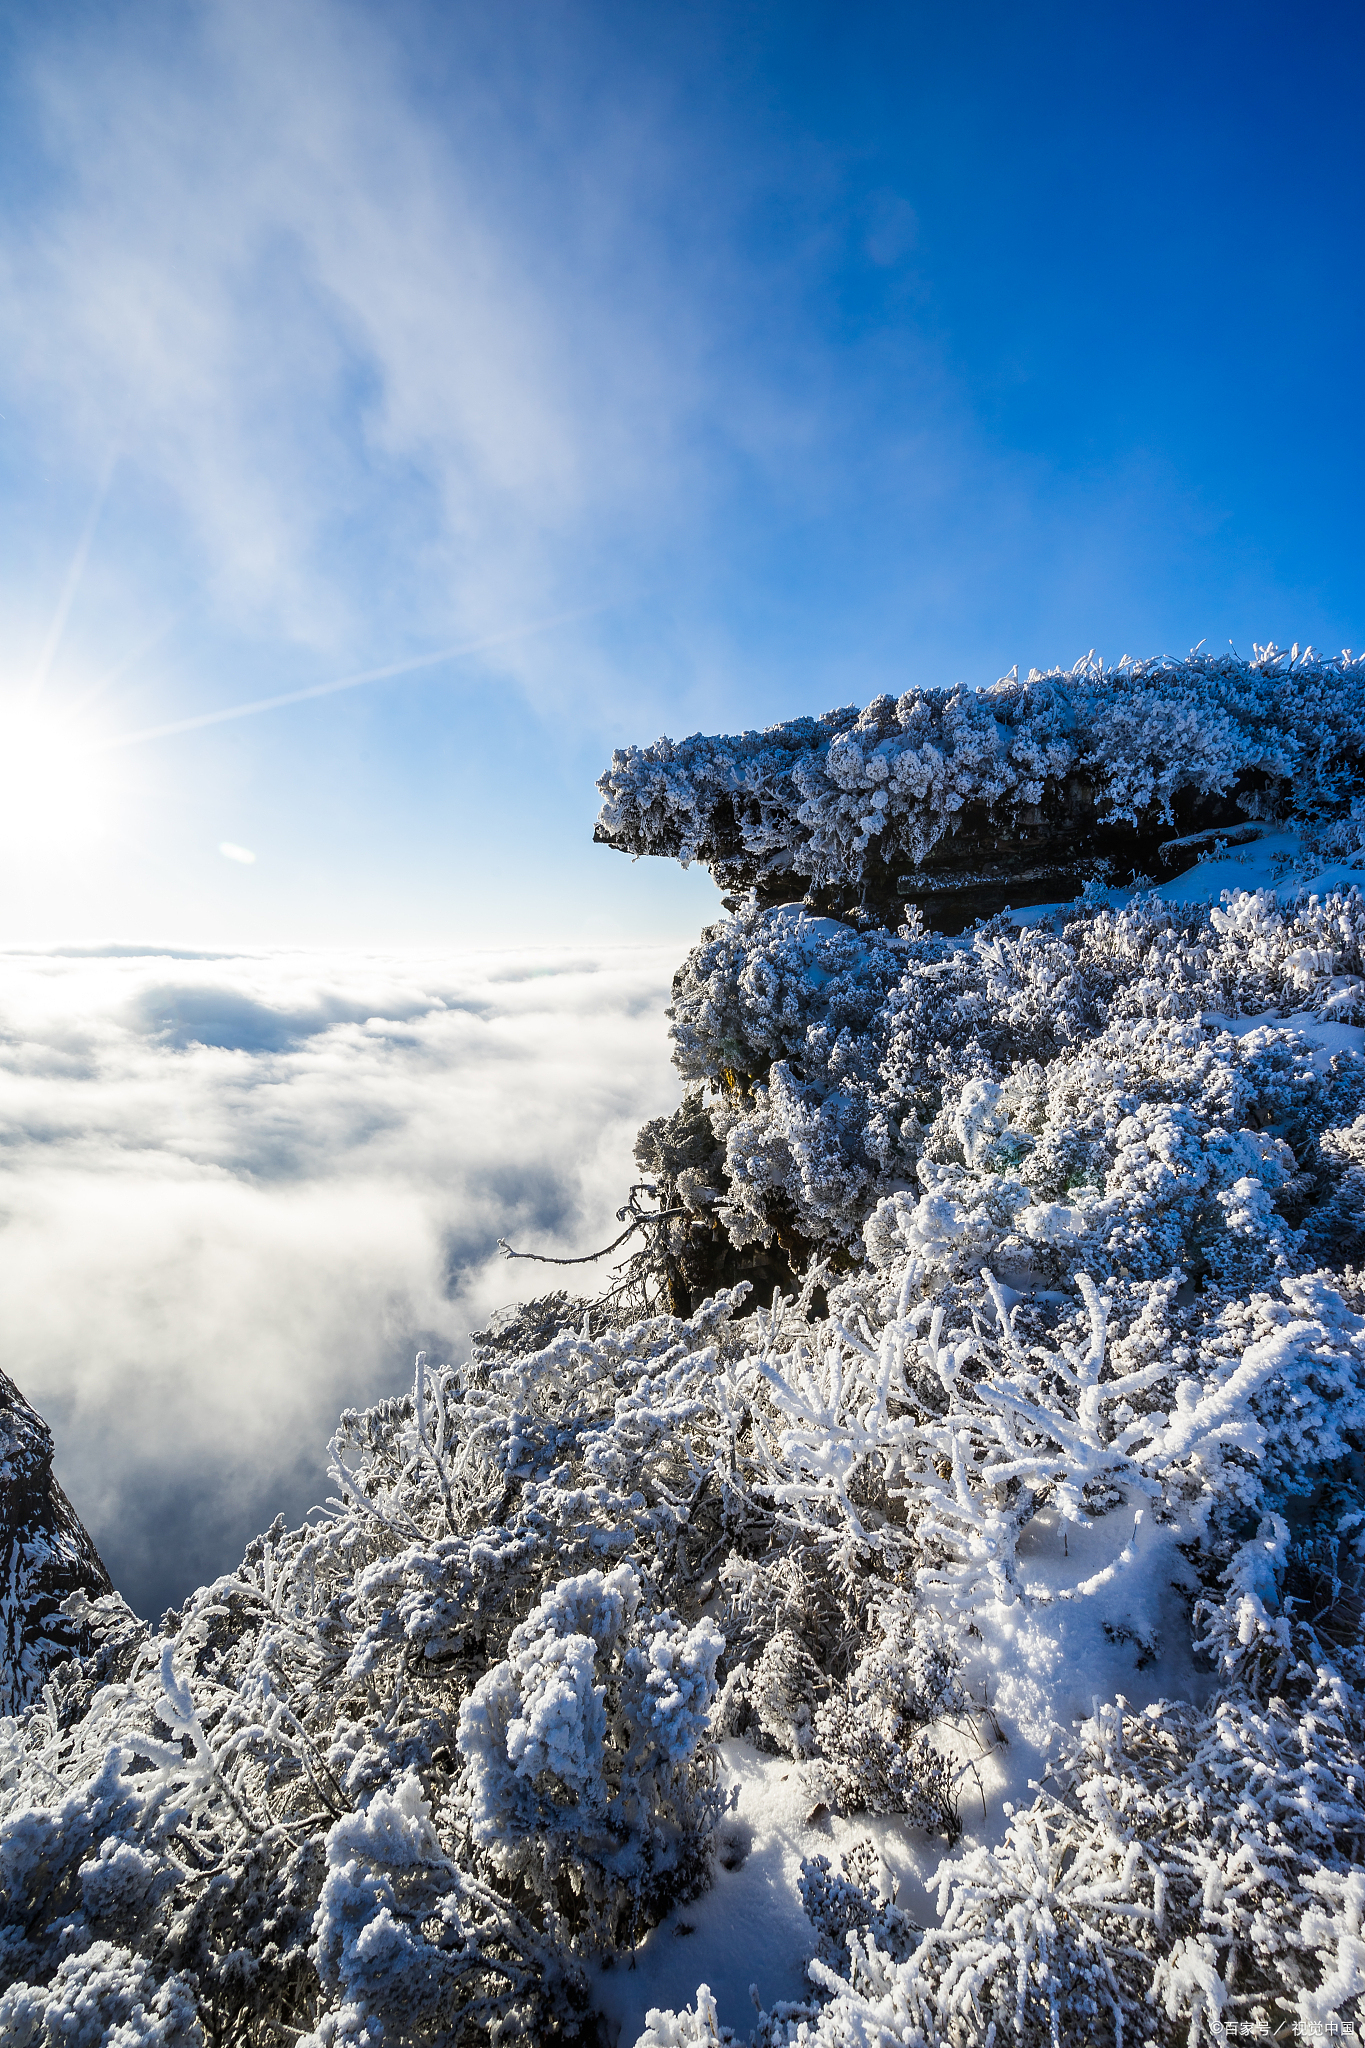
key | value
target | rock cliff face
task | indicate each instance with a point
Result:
(45, 1555)
(1041, 853)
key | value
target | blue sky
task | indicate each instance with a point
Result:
(692, 366)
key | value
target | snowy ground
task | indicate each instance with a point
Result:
(1042, 1674)
(749, 1929)
(1276, 860)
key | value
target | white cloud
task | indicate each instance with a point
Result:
(237, 853)
(238, 1193)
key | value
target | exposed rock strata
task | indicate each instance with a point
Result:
(1039, 853)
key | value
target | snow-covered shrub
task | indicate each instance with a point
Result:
(785, 1591)
(694, 2027)
(781, 1690)
(848, 1901)
(1076, 1080)
(872, 1754)
(1028, 1942)
(584, 1783)
(413, 1946)
(1188, 1877)
(1183, 1871)
(1335, 1226)
(271, 1800)
(681, 1151)
(751, 992)
(900, 1433)
(104, 1997)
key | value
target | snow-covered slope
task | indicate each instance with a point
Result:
(960, 1643)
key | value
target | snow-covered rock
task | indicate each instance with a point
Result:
(963, 801)
(46, 1557)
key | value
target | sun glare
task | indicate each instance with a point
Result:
(53, 786)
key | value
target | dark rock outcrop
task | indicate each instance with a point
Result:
(1045, 853)
(1040, 853)
(991, 861)
(46, 1555)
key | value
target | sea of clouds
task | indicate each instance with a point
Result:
(238, 1193)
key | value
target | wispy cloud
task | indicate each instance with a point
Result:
(329, 318)
(417, 322)
(239, 1193)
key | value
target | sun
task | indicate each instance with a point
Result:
(53, 784)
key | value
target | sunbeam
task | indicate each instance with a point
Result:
(73, 580)
(130, 660)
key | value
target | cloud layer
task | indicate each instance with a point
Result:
(237, 1194)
